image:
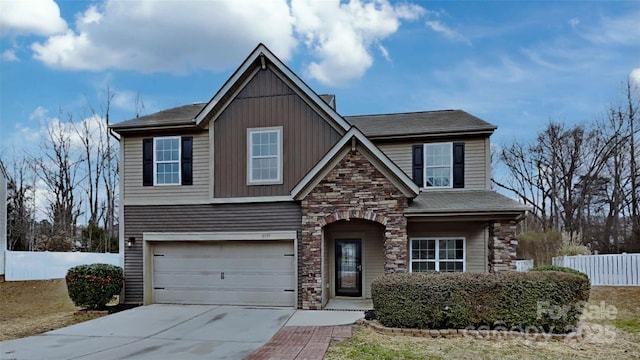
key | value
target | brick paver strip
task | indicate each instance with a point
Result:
(300, 343)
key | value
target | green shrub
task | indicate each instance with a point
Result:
(93, 286)
(559, 268)
(546, 301)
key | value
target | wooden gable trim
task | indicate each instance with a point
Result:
(251, 64)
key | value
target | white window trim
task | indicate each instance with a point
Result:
(424, 166)
(278, 180)
(155, 162)
(437, 259)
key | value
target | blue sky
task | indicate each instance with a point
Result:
(514, 64)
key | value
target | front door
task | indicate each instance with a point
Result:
(348, 267)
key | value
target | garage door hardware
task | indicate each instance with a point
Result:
(289, 290)
(158, 254)
(288, 255)
(158, 288)
(222, 275)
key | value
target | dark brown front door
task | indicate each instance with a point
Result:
(348, 267)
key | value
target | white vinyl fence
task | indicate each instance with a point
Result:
(524, 265)
(31, 265)
(614, 269)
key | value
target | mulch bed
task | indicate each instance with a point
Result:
(109, 309)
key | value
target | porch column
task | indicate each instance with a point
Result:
(310, 265)
(396, 244)
(502, 245)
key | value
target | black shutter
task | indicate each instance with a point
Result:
(187, 160)
(418, 171)
(147, 162)
(458, 165)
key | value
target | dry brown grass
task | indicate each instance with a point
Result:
(605, 339)
(33, 307)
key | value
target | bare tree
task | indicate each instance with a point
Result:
(110, 173)
(20, 209)
(583, 179)
(525, 179)
(633, 102)
(58, 167)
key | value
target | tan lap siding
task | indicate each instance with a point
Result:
(475, 160)
(134, 192)
(475, 233)
(283, 216)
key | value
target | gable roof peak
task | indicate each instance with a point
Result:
(264, 57)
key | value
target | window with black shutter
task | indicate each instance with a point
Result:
(438, 165)
(167, 161)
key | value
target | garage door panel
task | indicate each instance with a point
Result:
(225, 272)
(279, 279)
(235, 297)
(217, 265)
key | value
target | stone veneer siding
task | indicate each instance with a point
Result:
(502, 245)
(354, 188)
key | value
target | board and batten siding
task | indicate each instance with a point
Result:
(475, 160)
(267, 101)
(280, 216)
(475, 233)
(372, 241)
(135, 192)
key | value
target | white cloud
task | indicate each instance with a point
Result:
(635, 76)
(384, 52)
(574, 22)
(9, 55)
(341, 35)
(622, 30)
(180, 37)
(446, 31)
(39, 114)
(33, 17)
(169, 36)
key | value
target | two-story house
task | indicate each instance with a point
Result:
(266, 195)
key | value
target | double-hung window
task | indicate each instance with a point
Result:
(438, 254)
(166, 160)
(265, 155)
(438, 165)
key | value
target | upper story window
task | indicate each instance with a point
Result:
(167, 160)
(438, 254)
(265, 155)
(439, 165)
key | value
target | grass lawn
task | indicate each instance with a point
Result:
(609, 337)
(33, 307)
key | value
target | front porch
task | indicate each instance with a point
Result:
(344, 304)
(353, 257)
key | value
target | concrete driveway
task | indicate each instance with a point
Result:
(157, 332)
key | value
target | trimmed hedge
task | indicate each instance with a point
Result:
(93, 286)
(542, 301)
(559, 268)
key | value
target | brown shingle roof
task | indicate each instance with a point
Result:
(178, 116)
(464, 201)
(416, 124)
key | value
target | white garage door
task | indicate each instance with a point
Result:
(224, 273)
